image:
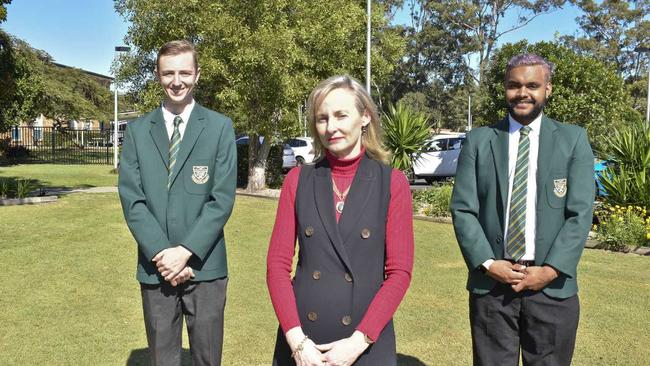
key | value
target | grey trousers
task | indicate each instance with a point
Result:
(504, 322)
(202, 304)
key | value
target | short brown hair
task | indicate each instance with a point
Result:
(173, 48)
(371, 139)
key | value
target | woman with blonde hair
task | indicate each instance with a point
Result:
(352, 216)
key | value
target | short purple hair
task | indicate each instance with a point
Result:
(531, 59)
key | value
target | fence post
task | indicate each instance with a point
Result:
(53, 144)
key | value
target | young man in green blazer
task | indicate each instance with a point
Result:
(177, 188)
(522, 208)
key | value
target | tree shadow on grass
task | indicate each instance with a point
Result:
(140, 357)
(405, 360)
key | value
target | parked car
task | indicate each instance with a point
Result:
(303, 148)
(288, 157)
(441, 158)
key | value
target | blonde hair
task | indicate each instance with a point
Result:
(174, 48)
(371, 138)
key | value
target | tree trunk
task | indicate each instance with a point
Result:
(257, 155)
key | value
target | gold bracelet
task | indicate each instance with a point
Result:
(299, 347)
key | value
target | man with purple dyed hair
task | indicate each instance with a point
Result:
(522, 208)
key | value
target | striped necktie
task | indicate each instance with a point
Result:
(516, 245)
(174, 147)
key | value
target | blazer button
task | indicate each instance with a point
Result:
(316, 275)
(348, 277)
(312, 316)
(365, 233)
(346, 320)
(499, 239)
(309, 231)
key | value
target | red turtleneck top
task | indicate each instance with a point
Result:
(399, 248)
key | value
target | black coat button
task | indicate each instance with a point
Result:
(346, 320)
(309, 231)
(348, 277)
(312, 316)
(365, 233)
(316, 275)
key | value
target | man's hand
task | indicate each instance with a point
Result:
(344, 351)
(171, 261)
(186, 274)
(506, 272)
(537, 277)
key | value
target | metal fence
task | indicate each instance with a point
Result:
(58, 145)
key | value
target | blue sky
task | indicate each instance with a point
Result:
(83, 33)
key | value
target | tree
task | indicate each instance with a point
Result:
(3, 9)
(259, 59)
(611, 31)
(31, 85)
(586, 91)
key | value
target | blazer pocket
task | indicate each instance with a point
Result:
(557, 189)
(197, 176)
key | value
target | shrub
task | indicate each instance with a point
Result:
(434, 201)
(406, 135)
(5, 188)
(622, 227)
(627, 183)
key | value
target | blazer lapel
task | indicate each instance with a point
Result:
(355, 204)
(160, 137)
(499, 146)
(545, 153)
(325, 205)
(195, 126)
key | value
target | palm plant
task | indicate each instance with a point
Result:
(628, 182)
(406, 135)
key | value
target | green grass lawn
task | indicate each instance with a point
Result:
(69, 295)
(69, 176)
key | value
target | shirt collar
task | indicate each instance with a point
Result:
(185, 115)
(535, 126)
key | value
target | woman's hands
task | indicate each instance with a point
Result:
(304, 349)
(344, 351)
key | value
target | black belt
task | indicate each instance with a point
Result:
(522, 262)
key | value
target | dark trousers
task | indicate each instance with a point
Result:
(504, 322)
(202, 304)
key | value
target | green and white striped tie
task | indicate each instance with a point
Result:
(174, 147)
(516, 245)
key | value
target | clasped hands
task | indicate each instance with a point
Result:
(520, 277)
(339, 353)
(172, 264)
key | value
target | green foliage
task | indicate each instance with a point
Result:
(16, 188)
(259, 59)
(628, 182)
(585, 91)
(622, 228)
(405, 134)
(3, 10)
(30, 84)
(434, 201)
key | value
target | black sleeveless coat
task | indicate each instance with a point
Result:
(340, 265)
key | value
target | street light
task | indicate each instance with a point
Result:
(647, 108)
(115, 122)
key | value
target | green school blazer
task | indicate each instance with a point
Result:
(195, 209)
(565, 195)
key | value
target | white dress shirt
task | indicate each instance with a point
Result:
(169, 119)
(531, 193)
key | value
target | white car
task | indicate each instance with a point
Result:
(441, 159)
(303, 149)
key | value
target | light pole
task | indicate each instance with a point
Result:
(115, 122)
(647, 108)
(368, 3)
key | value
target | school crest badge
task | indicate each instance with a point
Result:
(559, 187)
(200, 174)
